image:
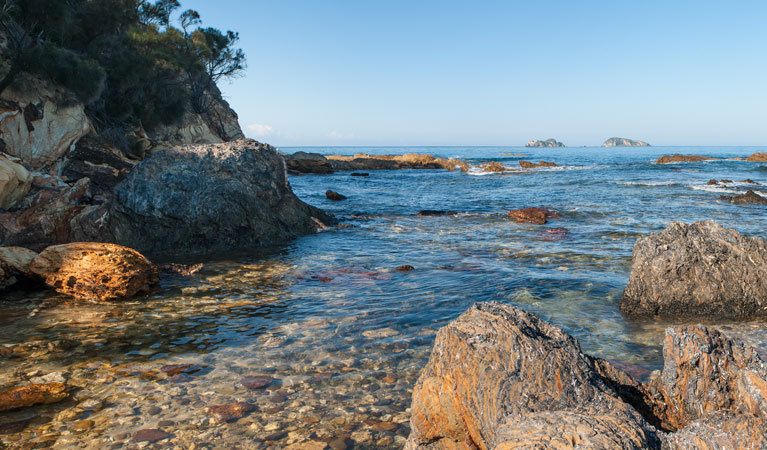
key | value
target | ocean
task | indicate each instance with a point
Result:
(342, 334)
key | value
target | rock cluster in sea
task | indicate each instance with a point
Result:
(548, 143)
(623, 142)
(501, 378)
(302, 162)
(701, 269)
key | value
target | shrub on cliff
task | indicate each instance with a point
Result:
(124, 58)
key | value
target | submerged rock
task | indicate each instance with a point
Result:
(501, 378)
(230, 411)
(537, 216)
(548, 143)
(436, 212)
(150, 435)
(677, 158)
(749, 197)
(623, 142)
(32, 395)
(95, 271)
(206, 198)
(334, 196)
(701, 269)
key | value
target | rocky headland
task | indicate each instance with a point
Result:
(303, 162)
(501, 378)
(548, 143)
(623, 142)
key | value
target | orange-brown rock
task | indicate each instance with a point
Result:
(500, 378)
(677, 158)
(531, 165)
(757, 157)
(90, 270)
(34, 394)
(537, 216)
(493, 167)
(362, 161)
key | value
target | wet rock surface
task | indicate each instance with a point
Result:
(302, 162)
(701, 269)
(95, 271)
(750, 197)
(492, 167)
(32, 395)
(677, 158)
(334, 196)
(531, 165)
(538, 216)
(499, 377)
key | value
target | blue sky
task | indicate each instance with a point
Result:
(412, 72)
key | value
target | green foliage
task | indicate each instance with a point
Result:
(123, 58)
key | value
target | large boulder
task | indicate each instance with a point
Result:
(500, 378)
(17, 259)
(95, 271)
(37, 123)
(750, 197)
(15, 181)
(701, 269)
(209, 198)
(303, 162)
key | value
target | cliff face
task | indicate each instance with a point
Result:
(167, 188)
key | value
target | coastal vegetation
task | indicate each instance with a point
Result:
(132, 62)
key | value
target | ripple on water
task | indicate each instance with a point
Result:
(339, 332)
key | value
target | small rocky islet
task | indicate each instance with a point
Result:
(116, 335)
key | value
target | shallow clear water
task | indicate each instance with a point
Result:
(343, 334)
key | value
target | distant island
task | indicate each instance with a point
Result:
(623, 142)
(547, 143)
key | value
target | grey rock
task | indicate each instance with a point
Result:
(701, 269)
(209, 198)
(303, 162)
(750, 197)
(548, 143)
(623, 142)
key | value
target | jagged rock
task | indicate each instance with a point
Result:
(749, 197)
(33, 394)
(623, 142)
(334, 196)
(501, 378)
(219, 124)
(37, 124)
(207, 198)
(15, 181)
(537, 216)
(749, 181)
(712, 183)
(548, 143)
(757, 157)
(677, 158)
(530, 165)
(303, 162)
(701, 269)
(95, 271)
(47, 217)
(97, 161)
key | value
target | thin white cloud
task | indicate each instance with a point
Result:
(335, 135)
(261, 131)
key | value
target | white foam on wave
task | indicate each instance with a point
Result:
(714, 188)
(648, 183)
